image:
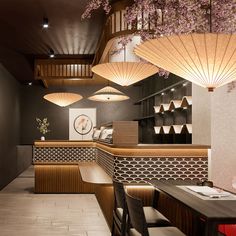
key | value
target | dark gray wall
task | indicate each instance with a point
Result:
(9, 126)
(35, 106)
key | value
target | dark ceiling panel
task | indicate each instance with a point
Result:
(21, 30)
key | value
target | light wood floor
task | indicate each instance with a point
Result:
(23, 213)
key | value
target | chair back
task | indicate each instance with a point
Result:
(136, 215)
(119, 193)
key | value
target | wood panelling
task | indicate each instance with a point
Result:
(125, 132)
(105, 197)
(145, 193)
(62, 68)
(180, 216)
(60, 179)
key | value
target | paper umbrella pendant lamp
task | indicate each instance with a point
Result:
(63, 99)
(206, 59)
(108, 94)
(125, 73)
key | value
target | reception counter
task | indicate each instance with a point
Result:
(131, 164)
(90, 167)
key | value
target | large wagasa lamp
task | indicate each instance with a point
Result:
(108, 94)
(206, 59)
(63, 99)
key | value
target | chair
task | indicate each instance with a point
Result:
(137, 219)
(153, 217)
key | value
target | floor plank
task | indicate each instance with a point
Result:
(24, 213)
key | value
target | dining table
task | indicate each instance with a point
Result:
(209, 210)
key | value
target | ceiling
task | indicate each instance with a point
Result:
(23, 39)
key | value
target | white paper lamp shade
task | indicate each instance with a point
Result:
(206, 59)
(125, 73)
(63, 99)
(108, 94)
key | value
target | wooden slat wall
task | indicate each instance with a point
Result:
(60, 179)
(53, 69)
(105, 197)
(180, 216)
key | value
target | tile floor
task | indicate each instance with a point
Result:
(23, 213)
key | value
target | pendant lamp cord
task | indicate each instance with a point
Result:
(210, 15)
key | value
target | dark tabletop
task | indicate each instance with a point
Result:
(223, 210)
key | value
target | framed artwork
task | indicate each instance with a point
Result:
(81, 123)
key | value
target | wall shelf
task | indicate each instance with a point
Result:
(173, 129)
(145, 117)
(174, 104)
(160, 92)
(166, 115)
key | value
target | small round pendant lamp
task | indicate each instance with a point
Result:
(108, 94)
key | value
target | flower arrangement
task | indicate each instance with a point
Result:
(174, 17)
(43, 125)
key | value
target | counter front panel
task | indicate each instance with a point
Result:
(131, 164)
(63, 154)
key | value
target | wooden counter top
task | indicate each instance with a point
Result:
(63, 143)
(140, 150)
(93, 173)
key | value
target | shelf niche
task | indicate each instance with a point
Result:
(170, 117)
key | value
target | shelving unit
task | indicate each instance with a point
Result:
(166, 115)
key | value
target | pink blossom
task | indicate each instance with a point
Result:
(169, 17)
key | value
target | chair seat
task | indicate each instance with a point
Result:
(161, 231)
(154, 217)
(119, 213)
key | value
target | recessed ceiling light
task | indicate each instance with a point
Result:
(162, 94)
(30, 83)
(51, 53)
(172, 90)
(45, 23)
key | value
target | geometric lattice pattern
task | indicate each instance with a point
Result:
(106, 161)
(63, 154)
(128, 169)
(139, 170)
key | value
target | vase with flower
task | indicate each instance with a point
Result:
(43, 126)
